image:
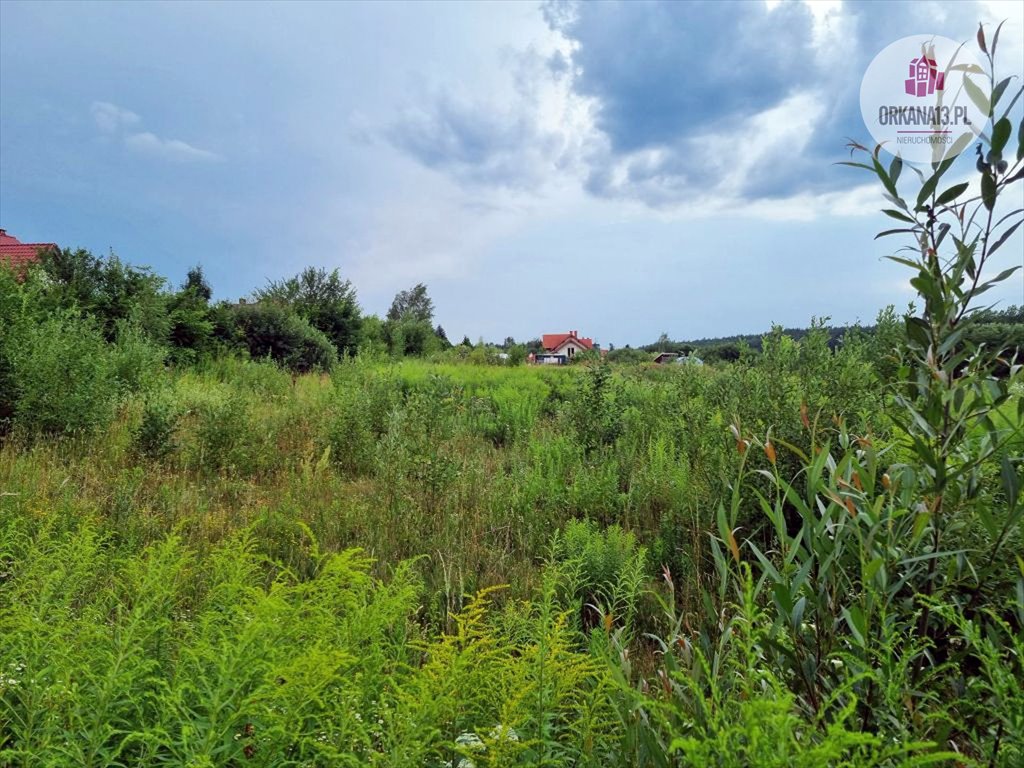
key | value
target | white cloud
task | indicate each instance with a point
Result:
(113, 120)
(168, 149)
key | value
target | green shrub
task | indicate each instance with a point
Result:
(603, 572)
(721, 705)
(270, 330)
(65, 379)
(225, 435)
(322, 298)
(137, 362)
(594, 410)
(259, 376)
(155, 437)
(349, 429)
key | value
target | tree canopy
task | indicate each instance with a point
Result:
(413, 304)
(323, 299)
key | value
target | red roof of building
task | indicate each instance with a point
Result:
(553, 341)
(18, 254)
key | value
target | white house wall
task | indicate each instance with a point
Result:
(566, 346)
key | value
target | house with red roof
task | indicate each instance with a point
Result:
(561, 348)
(18, 255)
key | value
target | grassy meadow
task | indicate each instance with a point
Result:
(280, 532)
(384, 564)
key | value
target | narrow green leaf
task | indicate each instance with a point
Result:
(1010, 481)
(1013, 101)
(782, 598)
(988, 522)
(951, 194)
(1001, 134)
(1004, 237)
(798, 612)
(997, 92)
(858, 624)
(887, 182)
(904, 262)
(988, 190)
(928, 189)
(855, 165)
(894, 168)
(872, 568)
(995, 37)
(977, 96)
(1002, 276)
(974, 69)
(888, 232)
(962, 142)
(1008, 215)
(898, 215)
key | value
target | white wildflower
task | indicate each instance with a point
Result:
(471, 741)
(504, 733)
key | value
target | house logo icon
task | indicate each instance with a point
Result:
(915, 98)
(925, 78)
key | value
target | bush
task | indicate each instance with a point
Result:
(349, 430)
(603, 572)
(594, 410)
(225, 437)
(155, 435)
(64, 376)
(322, 298)
(137, 362)
(270, 330)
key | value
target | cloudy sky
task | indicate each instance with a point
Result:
(619, 168)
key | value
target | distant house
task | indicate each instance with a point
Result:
(690, 359)
(561, 348)
(18, 255)
(666, 357)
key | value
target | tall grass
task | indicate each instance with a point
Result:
(419, 564)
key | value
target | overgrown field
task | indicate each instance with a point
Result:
(365, 567)
(280, 533)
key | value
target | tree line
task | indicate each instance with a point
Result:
(1000, 329)
(305, 322)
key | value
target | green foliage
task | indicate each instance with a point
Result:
(107, 289)
(358, 416)
(270, 330)
(407, 336)
(594, 411)
(836, 517)
(408, 329)
(722, 705)
(161, 656)
(413, 304)
(373, 342)
(863, 601)
(197, 285)
(155, 435)
(64, 376)
(322, 298)
(603, 573)
(136, 360)
(191, 331)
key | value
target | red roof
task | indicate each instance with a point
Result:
(553, 341)
(18, 254)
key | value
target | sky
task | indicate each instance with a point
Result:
(621, 169)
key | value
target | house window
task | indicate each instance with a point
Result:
(572, 351)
